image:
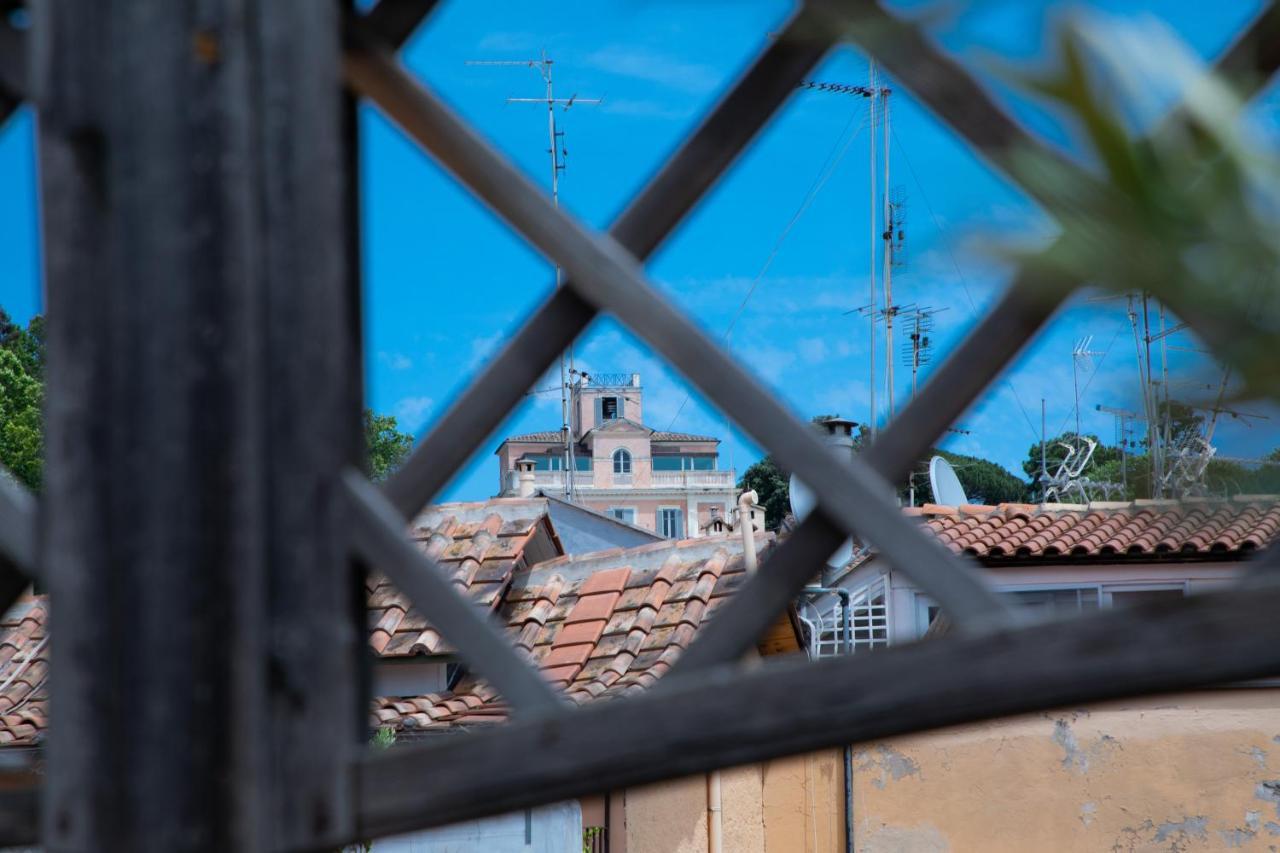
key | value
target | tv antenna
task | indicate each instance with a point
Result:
(1081, 353)
(1124, 431)
(558, 154)
(877, 97)
(917, 350)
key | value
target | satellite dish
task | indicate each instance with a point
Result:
(947, 490)
(803, 502)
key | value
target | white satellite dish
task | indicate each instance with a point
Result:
(947, 490)
(803, 502)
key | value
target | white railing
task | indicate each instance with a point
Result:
(713, 479)
(555, 479)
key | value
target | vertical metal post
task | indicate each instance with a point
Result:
(203, 392)
(871, 311)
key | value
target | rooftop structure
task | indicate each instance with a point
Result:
(667, 482)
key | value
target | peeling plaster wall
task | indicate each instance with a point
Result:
(1179, 773)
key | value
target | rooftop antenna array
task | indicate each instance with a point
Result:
(1124, 439)
(886, 243)
(917, 350)
(1081, 354)
(558, 154)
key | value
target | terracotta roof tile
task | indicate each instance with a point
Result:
(479, 546)
(619, 629)
(1141, 530)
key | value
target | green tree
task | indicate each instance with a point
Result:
(21, 424)
(770, 483)
(387, 446)
(984, 481)
(21, 399)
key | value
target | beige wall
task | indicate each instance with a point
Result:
(1192, 772)
(804, 803)
(793, 805)
(670, 817)
(1177, 773)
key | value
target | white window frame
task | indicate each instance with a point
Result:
(622, 460)
(680, 522)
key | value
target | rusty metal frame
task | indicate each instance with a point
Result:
(692, 723)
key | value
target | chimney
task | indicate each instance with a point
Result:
(747, 524)
(524, 468)
(837, 432)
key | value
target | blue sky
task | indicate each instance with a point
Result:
(446, 282)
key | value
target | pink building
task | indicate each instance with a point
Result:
(667, 482)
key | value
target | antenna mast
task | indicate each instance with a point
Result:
(558, 153)
(887, 236)
(871, 81)
(877, 97)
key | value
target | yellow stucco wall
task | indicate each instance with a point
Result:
(1195, 772)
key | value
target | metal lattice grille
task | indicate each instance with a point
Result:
(705, 713)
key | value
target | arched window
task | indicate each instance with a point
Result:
(622, 461)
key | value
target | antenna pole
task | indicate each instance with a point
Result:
(871, 349)
(543, 65)
(889, 308)
(1154, 431)
(1044, 468)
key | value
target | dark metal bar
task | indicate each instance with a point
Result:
(394, 21)
(377, 536)
(17, 524)
(19, 817)
(654, 213)
(203, 389)
(1254, 56)
(13, 69)
(722, 718)
(18, 566)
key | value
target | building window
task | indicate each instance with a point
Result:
(678, 462)
(1066, 601)
(622, 461)
(609, 408)
(670, 522)
(623, 513)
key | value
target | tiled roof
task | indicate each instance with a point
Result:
(551, 437)
(24, 668)
(681, 436)
(596, 633)
(1141, 530)
(480, 545)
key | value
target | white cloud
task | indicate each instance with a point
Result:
(482, 348)
(411, 412)
(652, 66)
(395, 360)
